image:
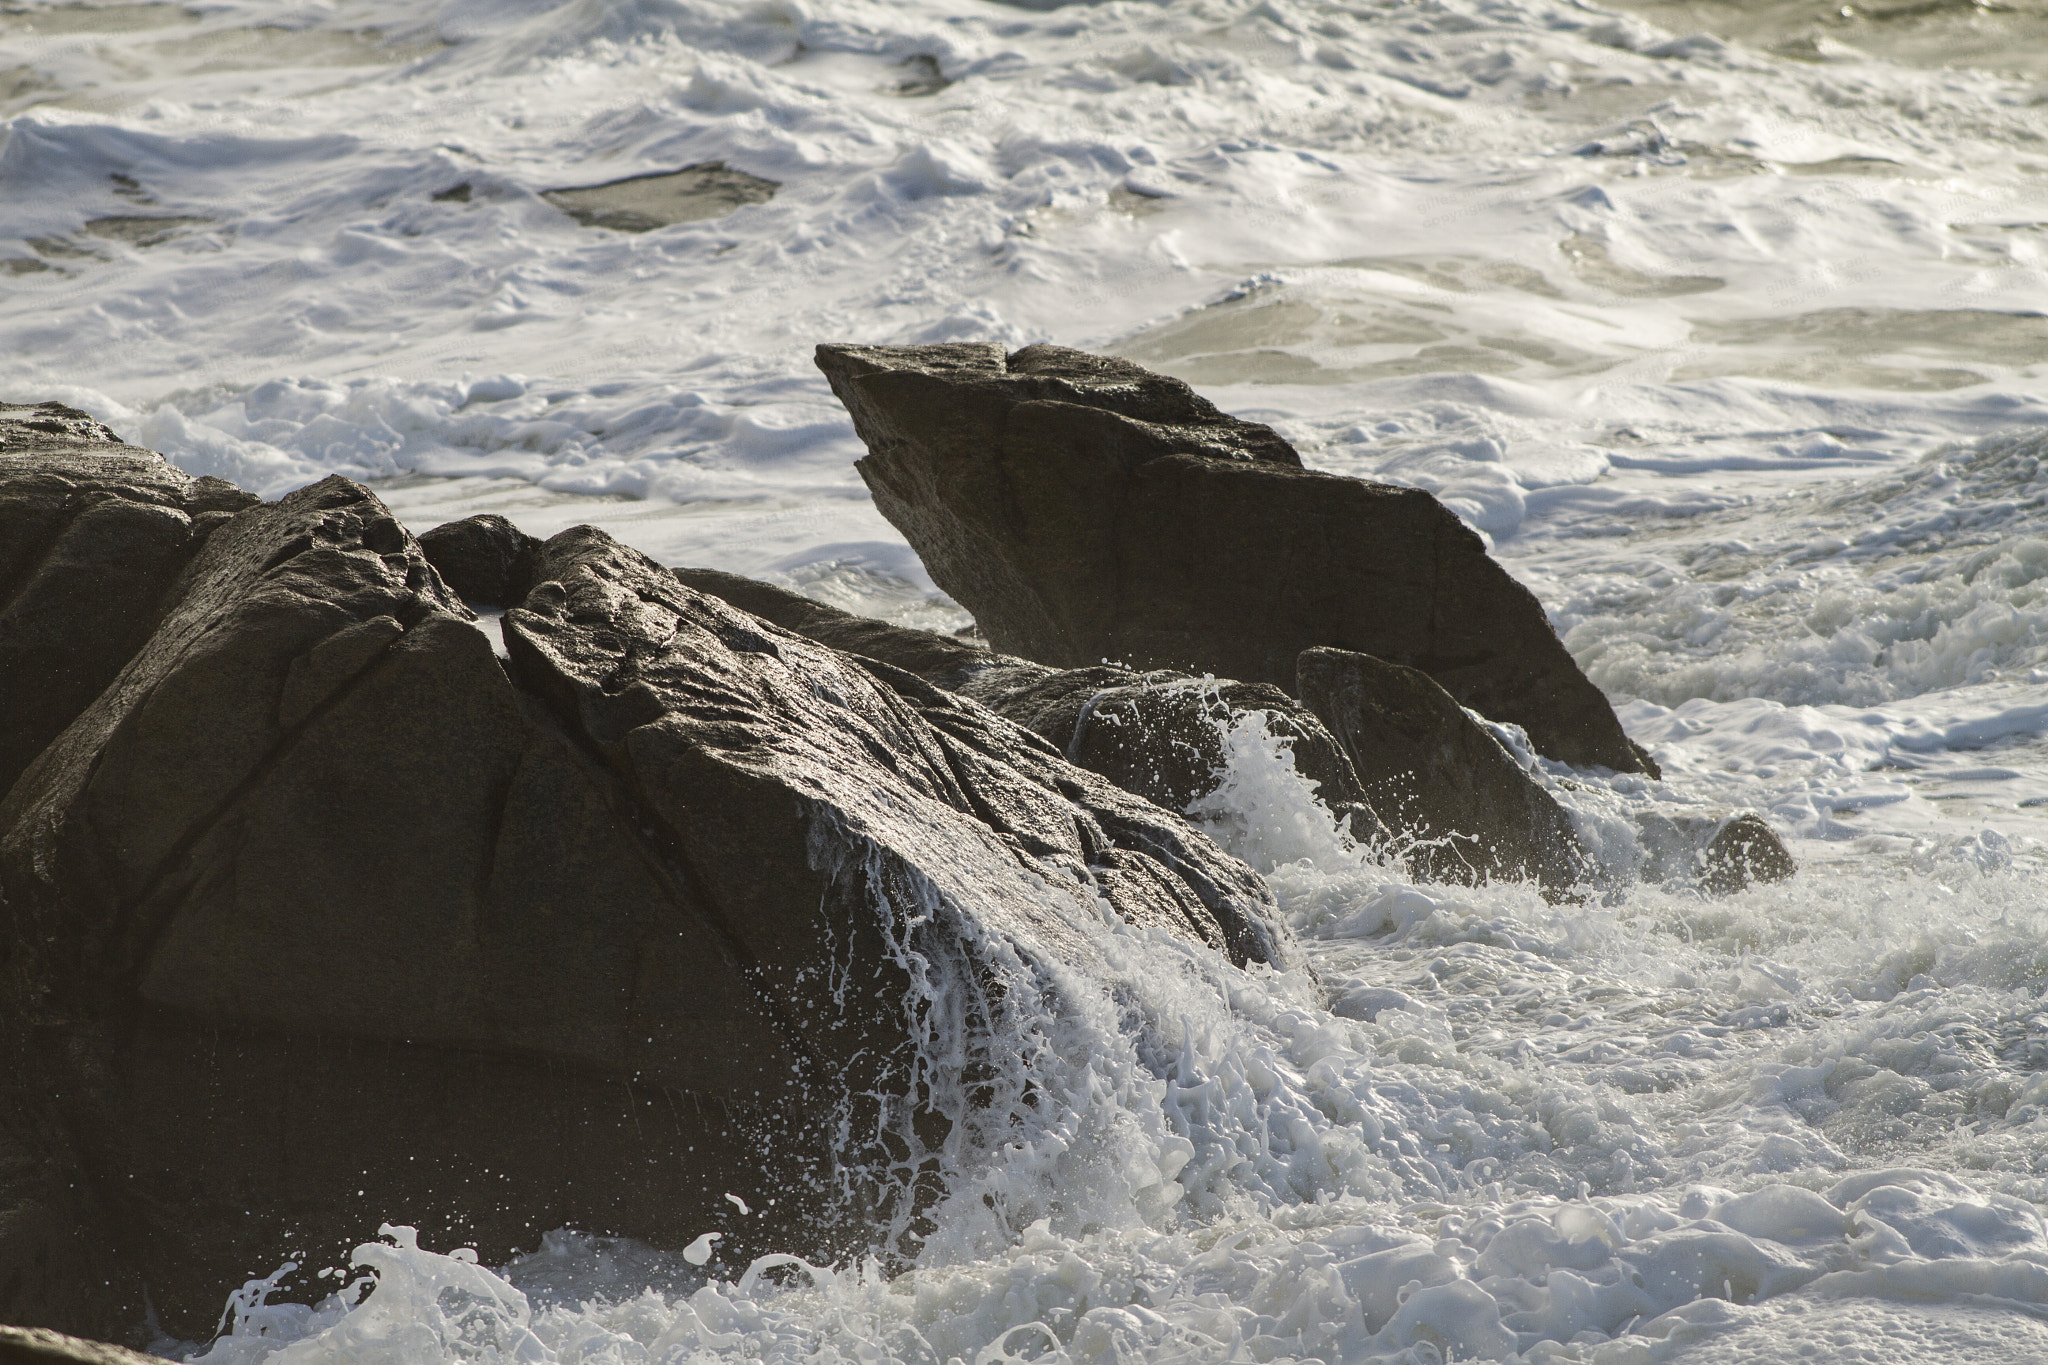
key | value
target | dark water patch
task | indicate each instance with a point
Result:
(56, 248)
(642, 203)
(1261, 338)
(22, 82)
(1126, 200)
(1459, 275)
(1844, 165)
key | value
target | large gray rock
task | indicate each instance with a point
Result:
(1158, 735)
(1436, 775)
(1088, 511)
(93, 532)
(320, 915)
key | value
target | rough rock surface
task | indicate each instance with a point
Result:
(1154, 734)
(1436, 775)
(943, 660)
(316, 917)
(1086, 510)
(817, 740)
(93, 532)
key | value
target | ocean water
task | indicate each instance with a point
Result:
(1727, 324)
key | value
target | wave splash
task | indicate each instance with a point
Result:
(1471, 1124)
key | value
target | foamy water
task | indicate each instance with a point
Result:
(1725, 326)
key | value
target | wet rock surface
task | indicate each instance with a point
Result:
(93, 533)
(319, 911)
(1438, 777)
(1158, 735)
(1085, 509)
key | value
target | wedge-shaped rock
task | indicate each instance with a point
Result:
(316, 918)
(1158, 735)
(1436, 775)
(1086, 510)
(93, 532)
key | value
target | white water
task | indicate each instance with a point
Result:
(1730, 344)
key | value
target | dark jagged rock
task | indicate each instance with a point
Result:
(487, 560)
(315, 917)
(1433, 773)
(1154, 734)
(93, 532)
(1086, 510)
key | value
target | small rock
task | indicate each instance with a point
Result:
(1743, 852)
(487, 560)
(1435, 775)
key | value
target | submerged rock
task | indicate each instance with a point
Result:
(1745, 851)
(1085, 509)
(320, 914)
(1721, 854)
(1435, 775)
(1158, 735)
(642, 203)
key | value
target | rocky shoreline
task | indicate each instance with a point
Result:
(318, 907)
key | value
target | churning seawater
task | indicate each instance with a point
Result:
(1725, 324)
